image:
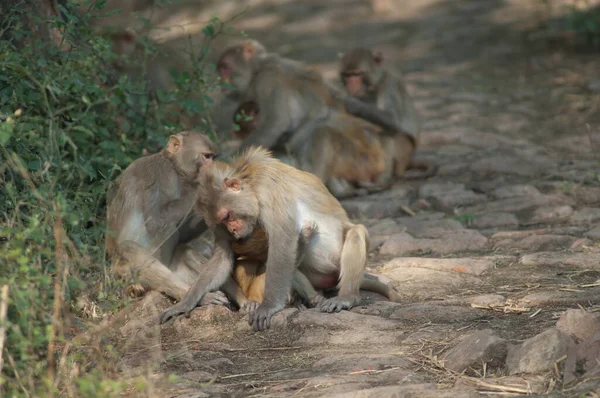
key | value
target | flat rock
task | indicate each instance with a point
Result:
(358, 362)
(582, 360)
(422, 283)
(537, 242)
(343, 319)
(554, 297)
(503, 164)
(471, 266)
(448, 242)
(198, 376)
(582, 245)
(425, 313)
(429, 226)
(578, 323)
(450, 195)
(406, 391)
(539, 353)
(586, 215)
(548, 214)
(593, 233)
(378, 206)
(578, 260)
(587, 195)
(511, 191)
(517, 204)
(476, 349)
(494, 220)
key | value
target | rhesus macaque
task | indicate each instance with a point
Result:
(292, 98)
(150, 218)
(257, 190)
(390, 106)
(344, 152)
(249, 271)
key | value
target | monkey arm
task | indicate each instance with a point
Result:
(193, 227)
(280, 267)
(385, 119)
(211, 277)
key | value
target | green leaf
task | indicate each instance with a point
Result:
(209, 30)
(6, 130)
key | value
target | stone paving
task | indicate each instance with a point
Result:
(497, 257)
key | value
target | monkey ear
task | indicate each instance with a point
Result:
(174, 144)
(233, 184)
(378, 57)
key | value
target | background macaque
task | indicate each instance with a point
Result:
(365, 78)
(259, 190)
(150, 217)
(292, 98)
(344, 152)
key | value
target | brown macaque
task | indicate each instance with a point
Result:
(291, 97)
(151, 219)
(389, 105)
(257, 190)
(345, 151)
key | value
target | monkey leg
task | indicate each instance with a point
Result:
(151, 272)
(352, 266)
(252, 283)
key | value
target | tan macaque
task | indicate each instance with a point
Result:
(151, 219)
(250, 269)
(390, 106)
(345, 152)
(257, 190)
(291, 97)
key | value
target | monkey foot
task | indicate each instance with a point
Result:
(250, 306)
(137, 290)
(260, 319)
(336, 304)
(216, 298)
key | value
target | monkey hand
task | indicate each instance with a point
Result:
(260, 319)
(216, 298)
(338, 303)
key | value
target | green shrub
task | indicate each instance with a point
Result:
(68, 124)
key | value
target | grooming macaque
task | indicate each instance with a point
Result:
(390, 106)
(292, 98)
(151, 220)
(257, 190)
(344, 151)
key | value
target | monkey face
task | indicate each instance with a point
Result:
(236, 71)
(357, 69)
(190, 151)
(354, 83)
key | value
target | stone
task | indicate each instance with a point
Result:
(471, 266)
(582, 245)
(547, 259)
(429, 226)
(358, 362)
(510, 191)
(582, 360)
(440, 314)
(450, 195)
(405, 391)
(587, 215)
(539, 353)
(477, 348)
(537, 242)
(502, 164)
(587, 195)
(593, 233)
(487, 299)
(533, 384)
(198, 376)
(448, 242)
(343, 319)
(378, 206)
(555, 297)
(578, 323)
(518, 204)
(549, 214)
(494, 220)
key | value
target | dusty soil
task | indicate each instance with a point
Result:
(510, 218)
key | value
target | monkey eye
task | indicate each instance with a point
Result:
(208, 156)
(227, 217)
(352, 74)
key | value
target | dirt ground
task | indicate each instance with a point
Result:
(505, 237)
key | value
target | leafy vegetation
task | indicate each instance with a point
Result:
(68, 124)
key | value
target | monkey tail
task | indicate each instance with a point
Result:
(418, 169)
(353, 260)
(372, 284)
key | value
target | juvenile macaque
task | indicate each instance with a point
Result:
(257, 190)
(345, 152)
(150, 218)
(390, 106)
